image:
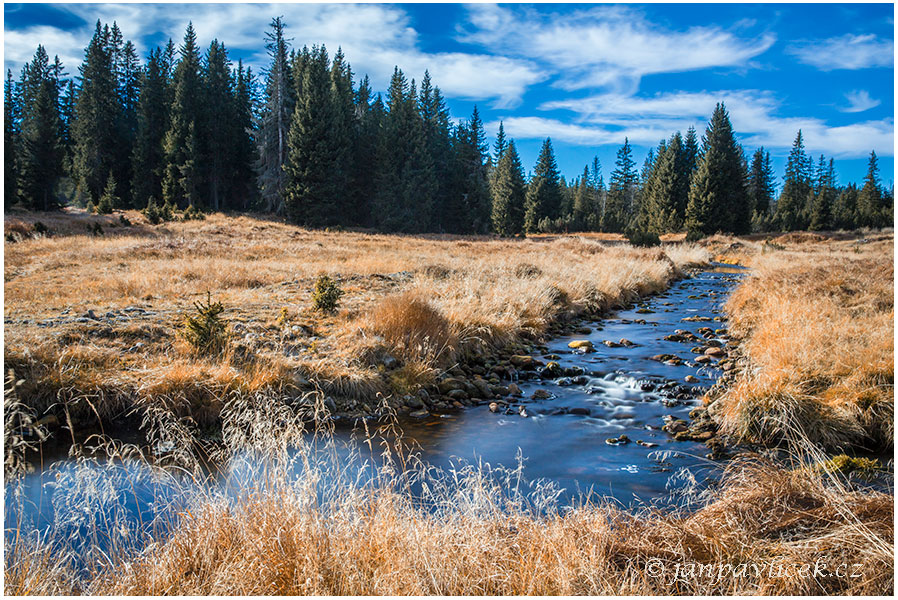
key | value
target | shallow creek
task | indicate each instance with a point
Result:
(563, 435)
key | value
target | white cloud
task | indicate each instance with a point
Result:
(845, 52)
(608, 118)
(374, 38)
(859, 101)
(19, 47)
(607, 47)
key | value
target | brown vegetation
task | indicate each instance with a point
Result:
(464, 292)
(815, 323)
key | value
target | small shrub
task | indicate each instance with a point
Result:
(40, 228)
(643, 238)
(152, 212)
(193, 214)
(108, 200)
(205, 331)
(168, 211)
(95, 229)
(124, 221)
(326, 295)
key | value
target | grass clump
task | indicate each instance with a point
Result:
(412, 328)
(326, 295)
(206, 331)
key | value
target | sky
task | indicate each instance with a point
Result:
(586, 75)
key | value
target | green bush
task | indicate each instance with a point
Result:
(168, 211)
(40, 228)
(326, 295)
(108, 200)
(152, 212)
(206, 331)
(193, 214)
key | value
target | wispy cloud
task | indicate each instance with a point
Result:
(845, 52)
(755, 114)
(373, 37)
(859, 101)
(610, 48)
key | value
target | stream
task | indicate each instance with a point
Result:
(566, 435)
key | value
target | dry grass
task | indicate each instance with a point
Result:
(467, 292)
(815, 323)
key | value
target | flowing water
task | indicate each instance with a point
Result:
(562, 438)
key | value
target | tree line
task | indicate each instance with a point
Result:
(188, 130)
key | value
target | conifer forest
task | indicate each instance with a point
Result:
(186, 129)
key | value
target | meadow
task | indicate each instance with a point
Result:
(813, 343)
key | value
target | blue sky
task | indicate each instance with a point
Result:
(587, 75)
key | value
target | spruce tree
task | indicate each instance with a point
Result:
(109, 200)
(870, 207)
(438, 140)
(544, 197)
(345, 130)
(181, 184)
(41, 150)
(406, 178)
(761, 186)
(218, 123)
(471, 190)
(691, 152)
(662, 196)
(10, 142)
(243, 180)
(501, 143)
(317, 153)
(508, 193)
(585, 202)
(824, 196)
(597, 184)
(274, 121)
(622, 189)
(844, 212)
(796, 184)
(364, 159)
(152, 123)
(96, 143)
(718, 198)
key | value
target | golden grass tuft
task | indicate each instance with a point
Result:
(412, 328)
